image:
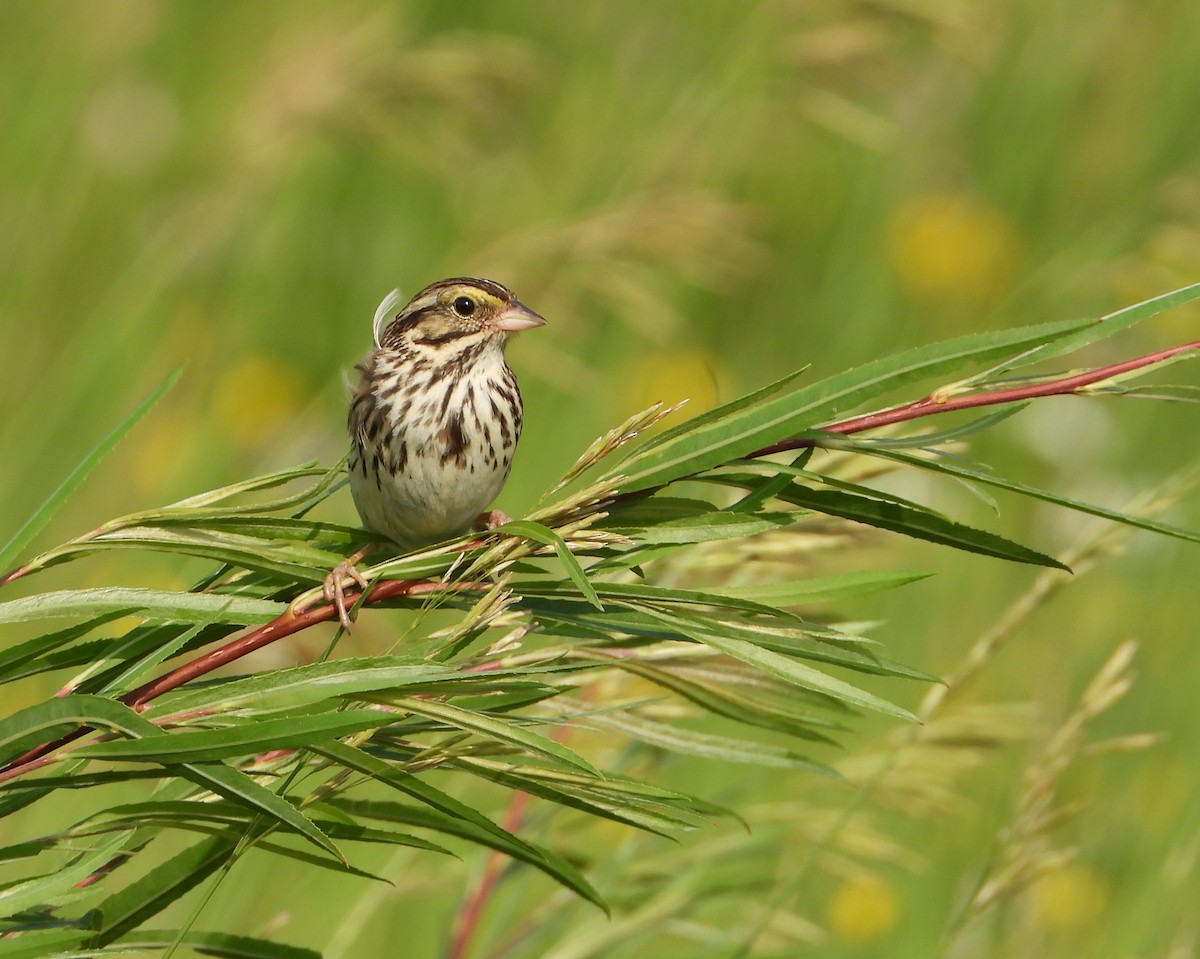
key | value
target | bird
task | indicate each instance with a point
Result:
(436, 417)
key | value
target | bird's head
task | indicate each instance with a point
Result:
(452, 316)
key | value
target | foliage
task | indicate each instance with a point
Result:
(539, 621)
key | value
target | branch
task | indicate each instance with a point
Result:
(938, 402)
(285, 624)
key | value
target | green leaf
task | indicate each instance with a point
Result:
(897, 518)
(622, 801)
(156, 603)
(133, 667)
(929, 438)
(705, 528)
(722, 749)
(93, 711)
(721, 699)
(989, 479)
(778, 665)
(735, 430)
(19, 655)
(47, 719)
(296, 560)
(304, 685)
(150, 894)
(499, 730)
(547, 537)
(1106, 326)
(211, 745)
(394, 776)
(666, 594)
(718, 413)
(59, 887)
(544, 860)
(43, 514)
(824, 589)
(40, 944)
(220, 944)
(237, 787)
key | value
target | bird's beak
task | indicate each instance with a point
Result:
(516, 317)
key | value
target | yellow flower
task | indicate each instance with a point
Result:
(1069, 899)
(697, 376)
(254, 400)
(951, 248)
(863, 909)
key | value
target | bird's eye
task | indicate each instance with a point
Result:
(464, 305)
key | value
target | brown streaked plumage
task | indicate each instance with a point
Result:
(437, 413)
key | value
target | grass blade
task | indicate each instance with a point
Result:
(43, 514)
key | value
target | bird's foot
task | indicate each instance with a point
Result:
(343, 575)
(490, 520)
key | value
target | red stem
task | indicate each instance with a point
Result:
(932, 403)
(472, 911)
(285, 624)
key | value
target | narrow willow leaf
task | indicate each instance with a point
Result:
(723, 749)
(999, 482)
(224, 819)
(917, 523)
(807, 479)
(42, 515)
(633, 558)
(824, 589)
(284, 559)
(155, 603)
(929, 438)
(641, 512)
(733, 431)
(40, 944)
(56, 888)
(44, 720)
(1177, 393)
(219, 944)
(240, 788)
(150, 894)
(652, 814)
(18, 656)
(394, 776)
(338, 828)
(705, 528)
(94, 711)
(270, 527)
(132, 668)
(24, 850)
(304, 685)
(211, 745)
(721, 699)
(664, 594)
(718, 413)
(1106, 326)
(499, 730)
(326, 478)
(542, 859)
(547, 537)
(819, 644)
(783, 667)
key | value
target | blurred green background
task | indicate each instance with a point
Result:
(700, 197)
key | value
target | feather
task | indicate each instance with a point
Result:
(387, 310)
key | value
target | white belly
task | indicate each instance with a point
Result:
(427, 487)
(426, 502)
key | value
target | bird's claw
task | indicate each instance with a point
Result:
(334, 587)
(490, 520)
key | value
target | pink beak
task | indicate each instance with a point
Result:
(516, 317)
